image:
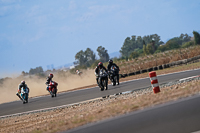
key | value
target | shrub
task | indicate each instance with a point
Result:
(187, 44)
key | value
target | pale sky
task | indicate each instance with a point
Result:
(43, 32)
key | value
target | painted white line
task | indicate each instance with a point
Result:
(196, 131)
(178, 72)
(189, 77)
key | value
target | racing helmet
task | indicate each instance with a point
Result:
(51, 75)
(110, 61)
(22, 82)
(100, 64)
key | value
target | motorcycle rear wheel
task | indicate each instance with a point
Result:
(102, 85)
(106, 84)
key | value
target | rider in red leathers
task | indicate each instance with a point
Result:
(49, 79)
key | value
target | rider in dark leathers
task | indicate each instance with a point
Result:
(97, 70)
(109, 67)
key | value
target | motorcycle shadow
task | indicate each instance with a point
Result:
(111, 87)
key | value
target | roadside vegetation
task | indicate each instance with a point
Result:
(143, 52)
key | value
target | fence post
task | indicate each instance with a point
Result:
(154, 82)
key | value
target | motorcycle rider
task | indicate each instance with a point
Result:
(21, 85)
(49, 79)
(97, 70)
(110, 63)
(78, 72)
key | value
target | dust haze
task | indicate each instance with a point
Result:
(66, 81)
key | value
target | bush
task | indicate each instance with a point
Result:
(188, 44)
(196, 37)
(134, 55)
(157, 51)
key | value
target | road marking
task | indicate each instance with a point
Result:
(189, 77)
(196, 131)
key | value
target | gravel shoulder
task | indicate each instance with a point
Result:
(69, 117)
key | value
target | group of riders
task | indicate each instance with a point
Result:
(108, 70)
(23, 89)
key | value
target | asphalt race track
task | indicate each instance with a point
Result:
(86, 94)
(182, 116)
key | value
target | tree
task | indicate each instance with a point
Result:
(149, 49)
(36, 70)
(85, 58)
(144, 48)
(23, 73)
(185, 38)
(173, 43)
(90, 56)
(103, 54)
(137, 43)
(80, 56)
(134, 55)
(196, 37)
(126, 49)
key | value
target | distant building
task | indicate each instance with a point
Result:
(71, 67)
(65, 69)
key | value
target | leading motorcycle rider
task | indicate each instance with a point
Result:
(49, 79)
(110, 63)
(21, 85)
(97, 70)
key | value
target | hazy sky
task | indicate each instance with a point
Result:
(42, 32)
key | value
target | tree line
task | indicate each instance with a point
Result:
(136, 46)
(88, 58)
(133, 47)
(32, 71)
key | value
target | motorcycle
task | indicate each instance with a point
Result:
(103, 80)
(52, 88)
(114, 73)
(24, 95)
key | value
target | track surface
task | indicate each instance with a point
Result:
(182, 116)
(86, 94)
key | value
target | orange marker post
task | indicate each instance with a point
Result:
(154, 82)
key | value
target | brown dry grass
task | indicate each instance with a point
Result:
(158, 59)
